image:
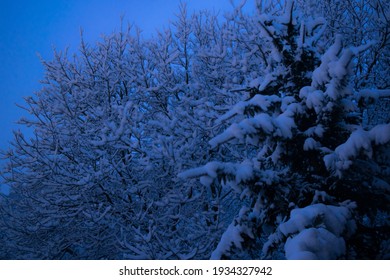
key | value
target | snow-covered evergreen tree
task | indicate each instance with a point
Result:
(302, 150)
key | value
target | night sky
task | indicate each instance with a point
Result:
(29, 29)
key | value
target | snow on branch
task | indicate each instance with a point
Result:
(281, 126)
(231, 237)
(262, 102)
(373, 94)
(234, 173)
(316, 231)
(359, 141)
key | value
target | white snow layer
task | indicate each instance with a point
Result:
(232, 237)
(260, 101)
(314, 244)
(321, 74)
(207, 173)
(314, 98)
(281, 125)
(310, 144)
(373, 93)
(316, 231)
(333, 218)
(359, 141)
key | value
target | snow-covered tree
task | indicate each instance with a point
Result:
(361, 22)
(302, 150)
(112, 128)
(295, 163)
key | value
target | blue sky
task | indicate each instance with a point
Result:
(29, 28)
